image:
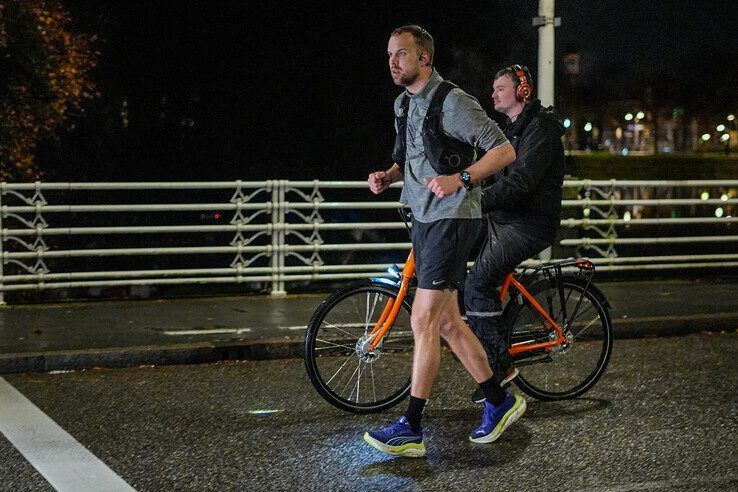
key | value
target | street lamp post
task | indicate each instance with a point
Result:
(546, 23)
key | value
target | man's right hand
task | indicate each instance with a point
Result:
(379, 181)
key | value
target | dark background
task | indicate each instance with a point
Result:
(300, 90)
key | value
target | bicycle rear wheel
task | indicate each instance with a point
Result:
(572, 369)
(347, 375)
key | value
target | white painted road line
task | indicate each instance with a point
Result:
(59, 457)
(214, 331)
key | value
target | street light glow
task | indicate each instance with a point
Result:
(705, 195)
(719, 212)
(626, 216)
(720, 128)
(567, 122)
(640, 115)
(705, 137)
(628, 116)
(724, 197)
(588, 127)
(725, 137)
(731, 117)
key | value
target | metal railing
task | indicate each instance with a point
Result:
(269, 233)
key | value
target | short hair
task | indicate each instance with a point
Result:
(422, 38)
(512, 72)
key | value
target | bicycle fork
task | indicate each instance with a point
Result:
(392, 308)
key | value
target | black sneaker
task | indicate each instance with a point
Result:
(512, 373)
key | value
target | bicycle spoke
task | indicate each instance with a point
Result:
(335, 327)
(351, 378)
(370, 315)
(374, 387)
(579, 333)
(339, 369)
(348, 347)
(358, 382)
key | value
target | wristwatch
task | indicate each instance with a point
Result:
(466, 179)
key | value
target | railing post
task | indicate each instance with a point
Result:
(278, 235)
(282, 233)
(2, 248)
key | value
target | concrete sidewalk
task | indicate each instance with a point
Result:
(48, 337)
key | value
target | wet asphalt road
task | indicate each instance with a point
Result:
(664, 417)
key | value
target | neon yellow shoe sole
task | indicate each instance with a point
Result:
(409, 450)
(510, 417)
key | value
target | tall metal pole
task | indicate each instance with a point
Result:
(546, 22)
(546, 43)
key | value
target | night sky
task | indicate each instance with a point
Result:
(300, 90)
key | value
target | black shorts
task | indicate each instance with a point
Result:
(441, 249)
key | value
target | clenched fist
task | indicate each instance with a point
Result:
(379, 181)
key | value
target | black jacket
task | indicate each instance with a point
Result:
(528, 191)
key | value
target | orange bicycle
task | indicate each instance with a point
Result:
(358, 345)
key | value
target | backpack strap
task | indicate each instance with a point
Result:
(436, 104)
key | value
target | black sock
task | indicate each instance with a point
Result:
(493, 392)
(415, 412)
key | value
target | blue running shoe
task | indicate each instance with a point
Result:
(398, 439)
(496, 419)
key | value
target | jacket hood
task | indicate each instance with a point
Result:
(532, 110)
(550, 114)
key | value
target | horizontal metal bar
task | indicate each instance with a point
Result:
(203, 250)
(183, 281)
(645, 259)
(648, 240)
(295, 278)
(51, 231)
(322, 268)
(169, 185)
(655, 221)
(287, 206)
(667, 266)
(334, 184)
(322, 184)
(654, 201)
(689, 183)
(194, 271)
(39, 231)
(154, 207)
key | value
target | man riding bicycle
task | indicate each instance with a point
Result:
(522, 203)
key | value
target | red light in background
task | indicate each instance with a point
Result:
(216, 215)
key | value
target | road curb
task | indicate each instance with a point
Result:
(197, 353)
(287, 348)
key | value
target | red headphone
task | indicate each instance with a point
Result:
(525, 90)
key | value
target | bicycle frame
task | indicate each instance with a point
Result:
(393, 306)
(527, 346)
(389, 313)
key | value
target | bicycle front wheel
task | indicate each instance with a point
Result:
(567, 371)
(344, 372)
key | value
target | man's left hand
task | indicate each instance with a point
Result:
(444, 185)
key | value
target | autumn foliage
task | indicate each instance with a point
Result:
(45, 79)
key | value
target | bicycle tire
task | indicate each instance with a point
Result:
(331, 342)
(577, 367)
